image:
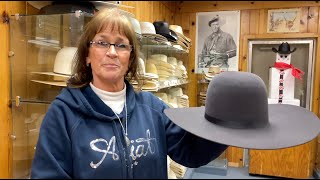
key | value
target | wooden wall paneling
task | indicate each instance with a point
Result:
(185, 21)
(263, 18)
(304, 19)
(313, 19)
(178, 19)
(207, 6)
(11, 7)
(316, 81)
(318, 22)
(129, 3)
(254, 21)
(163, 10)
(5, 123)
(192, 76)
(156, 11)
(244, 30)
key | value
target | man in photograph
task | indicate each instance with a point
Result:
(219, 46)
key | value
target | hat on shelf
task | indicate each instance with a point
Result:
(172, 100)
(150, 85)
(162, 28)
(148, 30)
(136, 25)
(160, 60)
(151, 70)
(237, 113)
(172, 61)
(212, 71)
(178, 30)
(177, 92)
(62, 67)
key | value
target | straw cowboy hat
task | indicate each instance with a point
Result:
(212, 71)
(62, 67)
(237, 113)
(178, 30)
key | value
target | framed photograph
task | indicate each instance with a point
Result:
(217, 40)
(283, 20)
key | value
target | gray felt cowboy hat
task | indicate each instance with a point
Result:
(237, 113)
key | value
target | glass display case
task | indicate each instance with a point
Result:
(261, 57)
(35, 41)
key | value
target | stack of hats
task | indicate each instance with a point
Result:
(146, 73)
(182, 41)
(178, 169)
(203, 96)
(164, 97)
(164, 69)
(162, 28)
(171, 174)
(182, 99)
(212, 71)
(182, 69)
(148, 31)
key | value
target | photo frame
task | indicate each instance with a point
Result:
(223, 48)
(283, 20)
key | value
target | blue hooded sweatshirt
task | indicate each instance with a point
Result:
(80, 137)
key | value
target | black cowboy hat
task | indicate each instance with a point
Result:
(284, 48)
(162, 28)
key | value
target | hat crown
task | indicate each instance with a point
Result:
(136, 25)
(176, 28)
(283, 48)
(245, 99)
(147, 28)
(63, 60)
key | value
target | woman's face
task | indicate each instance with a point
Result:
(108, 65)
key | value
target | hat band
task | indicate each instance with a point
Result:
(231, 124)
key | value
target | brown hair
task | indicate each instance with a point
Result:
(81, 73)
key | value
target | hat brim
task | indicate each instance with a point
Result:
(283, 52)
(53, 83)
(288, 126)
(52, 74)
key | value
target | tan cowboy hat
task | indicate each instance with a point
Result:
(237, 113)
(179, 31)
(151, 70)
(212, 71)
(150, 85)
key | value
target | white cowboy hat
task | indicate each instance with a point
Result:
(62, 67)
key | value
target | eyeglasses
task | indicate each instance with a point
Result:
(105, 46)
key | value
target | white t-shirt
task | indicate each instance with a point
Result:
(115, 100)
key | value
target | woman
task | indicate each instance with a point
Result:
(99, 127)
